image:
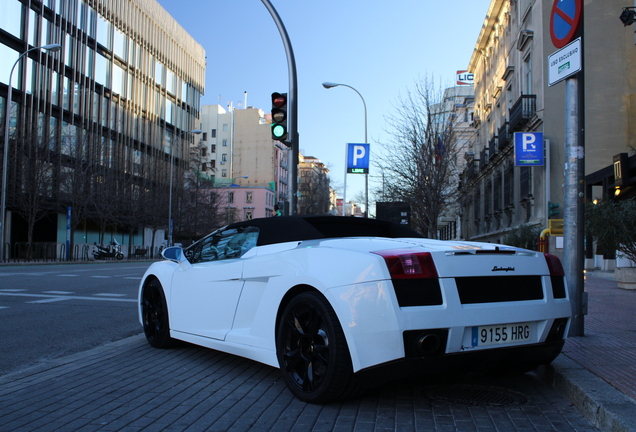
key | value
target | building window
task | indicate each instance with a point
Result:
(249, 197)
(205, 136)
(477, 214)
(225, 127)
(525, 178)
(528, 74)
(487, 197)
(204, 151)
(212, 164)
(224, 157)
(224, 143)
(249, 214)
(224, 173)
(204, 167)
(213, 134)
(230, 197)
(496, 201)
(213, 148)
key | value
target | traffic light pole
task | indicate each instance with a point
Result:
(293, 109)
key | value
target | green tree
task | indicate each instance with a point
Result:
(613, 225)
(524, 236)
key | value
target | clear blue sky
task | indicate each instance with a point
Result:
(379, 48)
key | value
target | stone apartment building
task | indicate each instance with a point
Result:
(512, 94)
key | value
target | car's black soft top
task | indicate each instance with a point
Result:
(283, 229)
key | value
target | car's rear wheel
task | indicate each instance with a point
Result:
(312, 351)
(154, 312)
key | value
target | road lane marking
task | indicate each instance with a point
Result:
(68, 297)
(102, 277)
(58, 292)
(110, 295)
(50, 300)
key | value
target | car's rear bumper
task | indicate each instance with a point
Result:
(509, 359)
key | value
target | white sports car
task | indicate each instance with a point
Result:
(340, 304)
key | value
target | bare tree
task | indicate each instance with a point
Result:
(200, 208)
(31, 181)
(420, 157)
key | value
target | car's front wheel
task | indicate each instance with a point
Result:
(154, 313)
(312, 351)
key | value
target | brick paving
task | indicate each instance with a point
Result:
(129, 386)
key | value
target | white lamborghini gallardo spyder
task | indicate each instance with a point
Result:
(340, 304)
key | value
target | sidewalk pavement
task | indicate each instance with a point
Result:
(597, 371)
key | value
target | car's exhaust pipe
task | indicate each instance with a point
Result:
(428, 344)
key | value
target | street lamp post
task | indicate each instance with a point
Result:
(329, 85)
(5, 160)
(195, 131)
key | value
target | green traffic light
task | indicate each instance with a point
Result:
(278, 131)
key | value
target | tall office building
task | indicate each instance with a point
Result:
(96, 125)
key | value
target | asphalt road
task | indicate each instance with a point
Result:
(50, 311)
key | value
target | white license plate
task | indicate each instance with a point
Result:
(502, 334)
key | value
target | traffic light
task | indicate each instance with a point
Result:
(279, 116)
(553, 209)
(628, 16)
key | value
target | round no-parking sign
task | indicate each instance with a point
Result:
(564, 21)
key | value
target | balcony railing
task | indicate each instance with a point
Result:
(522, 111)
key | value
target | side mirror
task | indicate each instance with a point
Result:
(174, 253)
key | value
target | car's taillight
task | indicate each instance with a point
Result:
(554, 265)
(557, 276)
(406, 264)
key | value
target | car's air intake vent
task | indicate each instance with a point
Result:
(495, 251)
(417, 292)
(558, 287)
(495, 289)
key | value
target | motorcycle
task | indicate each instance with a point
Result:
(112, 251)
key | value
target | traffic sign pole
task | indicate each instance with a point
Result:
(565, 19)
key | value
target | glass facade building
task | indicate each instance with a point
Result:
(96, 125)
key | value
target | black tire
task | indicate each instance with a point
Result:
(119, 256)
(312, 351)
(154, 313)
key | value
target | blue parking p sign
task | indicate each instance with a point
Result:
(358, 158)
(528, 148)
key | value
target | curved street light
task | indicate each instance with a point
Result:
(5, 160)
(195, 131)
(329, 85)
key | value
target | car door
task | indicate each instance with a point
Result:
(204, 297)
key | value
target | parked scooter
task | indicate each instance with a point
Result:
(112, 251)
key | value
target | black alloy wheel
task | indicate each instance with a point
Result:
(154, 312)
(312, 351)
